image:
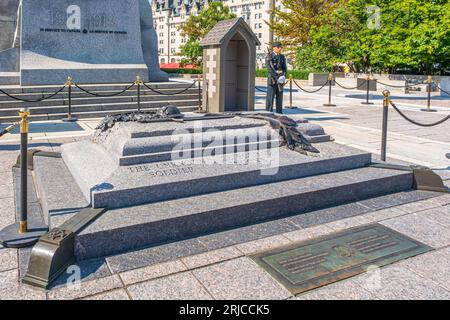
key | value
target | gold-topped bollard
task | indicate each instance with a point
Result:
(291, 79)
(21, 234)
(138, 82)
(69, 84)
(24, 113)
(386, 94)
(368, 79)
(429, 81)
(330, 82)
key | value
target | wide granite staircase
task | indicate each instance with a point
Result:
(85, 105)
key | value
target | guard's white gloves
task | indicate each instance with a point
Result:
(282, 80)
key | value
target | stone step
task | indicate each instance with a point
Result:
(102, 110)
(168, 93)
(9, 78)
(83, 103)
(106, 184)
(125, 229)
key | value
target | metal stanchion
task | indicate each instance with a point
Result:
(138, 82)
(291, 80)
(330, 82)
(199, 96)
(428, 108)
(70, 117)
(367, 90)
(21, 234)
(386, 94)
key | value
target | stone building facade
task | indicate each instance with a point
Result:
(168, 15)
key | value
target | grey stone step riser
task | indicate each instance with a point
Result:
(180, 189)
(92, 108)
(168, 156)
(80, 94)
(50, 89)
(144, 235)
(86, 101)
(93, 114)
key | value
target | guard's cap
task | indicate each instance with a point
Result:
(276, 44)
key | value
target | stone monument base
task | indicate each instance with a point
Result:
(157, 200)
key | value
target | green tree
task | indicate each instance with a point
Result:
(294, 23)
(410, 36)
(197, 26)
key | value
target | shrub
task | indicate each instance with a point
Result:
(296, 74)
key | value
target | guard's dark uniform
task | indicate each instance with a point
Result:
(277, 67)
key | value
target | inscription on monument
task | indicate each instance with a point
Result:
(74, 19)
(163, 169)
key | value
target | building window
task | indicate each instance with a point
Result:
(172, 50)
(163, 60)
(172, 60)
(161, 41)
(172, 40)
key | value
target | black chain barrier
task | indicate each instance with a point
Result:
(260, 90)
(313, 91)
(265, 91)
(439, 87)
(415, 122)
(104, 95)
(169, 94)
(348, 88)
(403, 86)
(37, 100)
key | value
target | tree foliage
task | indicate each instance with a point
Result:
(197, 26)
(399, 36)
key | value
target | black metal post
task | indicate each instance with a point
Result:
(428, 108)
(367, 91)
(138, 82)
(199, 96)
(70, 117)
(385, 124)
(330, 82)
(23, 224)
(21, 234)
(290, 91)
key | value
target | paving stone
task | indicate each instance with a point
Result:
(154, 255)
(151, 272)
(433, 265)
(181, 286)
(397, 199)
(11, 289)
(400, 283)
(342, 290)
(263, 244)
(6, 191)
(419, 206)
(85, 288)
(348, 223)
(384, 214)
(119, 294)
(440, 215)
(443, 200)
(308, 233)
(245, 234)
(8, 259)
(328, 215)
(210, 257)
(89, 270)
(420, 228)
(240, 279)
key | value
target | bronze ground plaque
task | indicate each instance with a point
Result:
(312, 264)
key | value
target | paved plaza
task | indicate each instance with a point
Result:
(217, 266)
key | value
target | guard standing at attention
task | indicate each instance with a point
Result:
(277, 67)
